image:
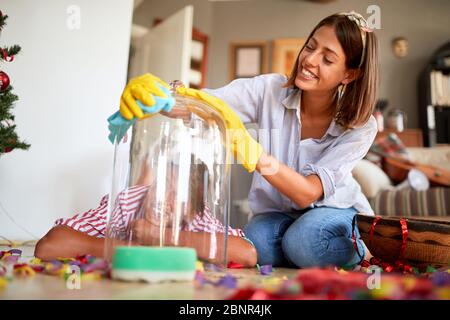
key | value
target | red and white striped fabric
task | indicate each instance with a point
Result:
(93, 222)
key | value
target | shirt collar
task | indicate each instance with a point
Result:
(293, 101)
(335, 129)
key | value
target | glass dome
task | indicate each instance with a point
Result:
(170, 183)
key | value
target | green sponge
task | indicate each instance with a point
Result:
(153, 264)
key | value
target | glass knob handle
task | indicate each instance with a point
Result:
(176, 84)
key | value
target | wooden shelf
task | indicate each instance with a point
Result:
(199, 62)
(434, 119)
(199, 65)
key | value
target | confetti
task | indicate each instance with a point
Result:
(91, 268)
(272, 284)
(11, 252)
(93, 265)
(15, 251)
(265, 270)
(212, 267)
(313, 283)
(334, 284)
(199, 279)
(35, 261)
(91, 276)
(234, 265)
(23, 270)
(11, 256)
(291, 287)
(441, 279)
(430, 269)
(199, 266)
(227, 281)
(3, 282)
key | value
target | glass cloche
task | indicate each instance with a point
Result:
(170, 185)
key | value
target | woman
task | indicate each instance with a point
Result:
(304, 211)
(326, 127)
(303, 195)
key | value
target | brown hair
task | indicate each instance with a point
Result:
(358, 101)
(197, 176)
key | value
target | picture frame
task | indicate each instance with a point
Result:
(284, 54)
(248, 59)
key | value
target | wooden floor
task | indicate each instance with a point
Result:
(53, 287)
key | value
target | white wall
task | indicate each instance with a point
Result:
(148, 10)
(68, 83)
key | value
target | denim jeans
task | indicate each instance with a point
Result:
(318, 237)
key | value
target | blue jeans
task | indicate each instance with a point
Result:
(319, 237)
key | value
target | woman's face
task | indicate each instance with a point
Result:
(322, 62)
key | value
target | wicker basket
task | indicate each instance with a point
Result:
(428, 241)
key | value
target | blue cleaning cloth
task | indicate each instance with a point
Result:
(118, 125)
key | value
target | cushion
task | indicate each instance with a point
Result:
(409, 202)
(371, 178)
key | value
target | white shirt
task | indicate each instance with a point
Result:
(276, 110)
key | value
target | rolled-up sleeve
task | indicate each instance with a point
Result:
(337, 161)
(244, 96)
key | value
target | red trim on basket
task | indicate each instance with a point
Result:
(372, 227)
(399, 264)
(404, 238)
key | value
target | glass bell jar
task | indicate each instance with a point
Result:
(170, 186)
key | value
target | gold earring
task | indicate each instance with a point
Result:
(341, 91)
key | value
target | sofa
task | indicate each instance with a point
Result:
(387, 200)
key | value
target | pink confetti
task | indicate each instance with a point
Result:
(97, 264)
(234, 265)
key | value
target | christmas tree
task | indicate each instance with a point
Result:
(8, 137)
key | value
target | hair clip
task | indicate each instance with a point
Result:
(358, 19)
(366, 29)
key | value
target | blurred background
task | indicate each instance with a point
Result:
(77, 56)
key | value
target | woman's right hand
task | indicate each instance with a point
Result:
(146, 93)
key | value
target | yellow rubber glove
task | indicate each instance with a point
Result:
(141, 88)
(244, 147)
